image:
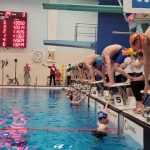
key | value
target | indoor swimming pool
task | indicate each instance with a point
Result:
(43, 119)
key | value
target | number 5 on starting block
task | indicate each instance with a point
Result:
(118, 100)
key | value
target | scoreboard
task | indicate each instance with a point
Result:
(13, 29)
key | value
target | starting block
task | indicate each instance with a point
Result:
(119, 99)
(120, 84)
(75, 85)
(85, 88)
(96, 82)
(93, 90)
(85, 81)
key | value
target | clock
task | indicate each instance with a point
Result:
(37, 56)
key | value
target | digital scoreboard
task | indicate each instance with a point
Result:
(13, 29)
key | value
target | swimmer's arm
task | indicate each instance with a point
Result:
(103, 72)
(147, 32)
(106, 106)
(79, 71)
(139, 78)
(83, 97)
(137, 64)
(45, 65)
(98, 72)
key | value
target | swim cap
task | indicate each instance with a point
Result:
(136, 40)
(99, 60)
(73, 68)
(101, 115)
(128, 51)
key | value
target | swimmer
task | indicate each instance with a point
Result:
(77, 102)
(70, 95)
(103, 118)
(102, 123)
(113, 56)
(81, 68)
(142, 41)
(74, 72)
(93, 62)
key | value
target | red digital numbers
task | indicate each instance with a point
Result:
(13, 29)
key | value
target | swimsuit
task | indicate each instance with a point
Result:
(99, 134)
(95, 64)
(118, 57)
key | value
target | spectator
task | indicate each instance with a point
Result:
(138, 84)
(129, 69)
(52, 74)
(68, 74)
(27, 74)
(58, 76)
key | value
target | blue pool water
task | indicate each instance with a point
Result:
(34, 119)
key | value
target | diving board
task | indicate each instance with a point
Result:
(67, 43)
(121, 32)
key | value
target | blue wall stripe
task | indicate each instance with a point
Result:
(108, 23)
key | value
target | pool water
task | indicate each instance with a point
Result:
(35, 119)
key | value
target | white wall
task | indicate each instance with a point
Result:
(43, 24)
(65, 22)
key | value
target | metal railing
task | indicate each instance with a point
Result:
(85, 32)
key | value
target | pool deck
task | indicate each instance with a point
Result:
(30, 87)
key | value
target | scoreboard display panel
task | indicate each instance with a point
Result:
(13, 29)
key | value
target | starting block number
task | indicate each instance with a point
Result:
(118, 100)
(94, 91)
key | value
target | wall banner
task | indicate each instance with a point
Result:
(134, 130)
(136, 6)
(50, 56)
(141, 3)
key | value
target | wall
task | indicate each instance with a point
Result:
(42, 24)
(36, 32)
(111, 22)
(37, 70)
(65, 22)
